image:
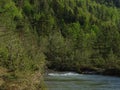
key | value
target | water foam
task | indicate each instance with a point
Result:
(63, 74)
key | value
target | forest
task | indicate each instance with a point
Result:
(62, 35)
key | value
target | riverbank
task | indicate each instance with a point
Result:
(21, 80)
(94, 71)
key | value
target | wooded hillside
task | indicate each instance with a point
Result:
(75, 35)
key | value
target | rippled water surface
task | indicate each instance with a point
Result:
(74, 81)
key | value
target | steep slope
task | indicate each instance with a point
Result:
(21, 60)
(77, 35)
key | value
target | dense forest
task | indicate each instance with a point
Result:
(65, 35)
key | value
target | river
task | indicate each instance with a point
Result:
(74, 81)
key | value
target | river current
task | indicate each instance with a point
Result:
(75, 81)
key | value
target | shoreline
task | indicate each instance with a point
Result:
(104, 72)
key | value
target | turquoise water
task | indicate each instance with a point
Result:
(74, 81)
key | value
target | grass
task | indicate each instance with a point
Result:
(21, 80)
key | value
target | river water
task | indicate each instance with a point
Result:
(74, 81)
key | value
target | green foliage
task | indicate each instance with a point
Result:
(68, 34)
(90, 27)
(19, 48)
(27, 8)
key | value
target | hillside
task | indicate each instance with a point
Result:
(65, 35)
